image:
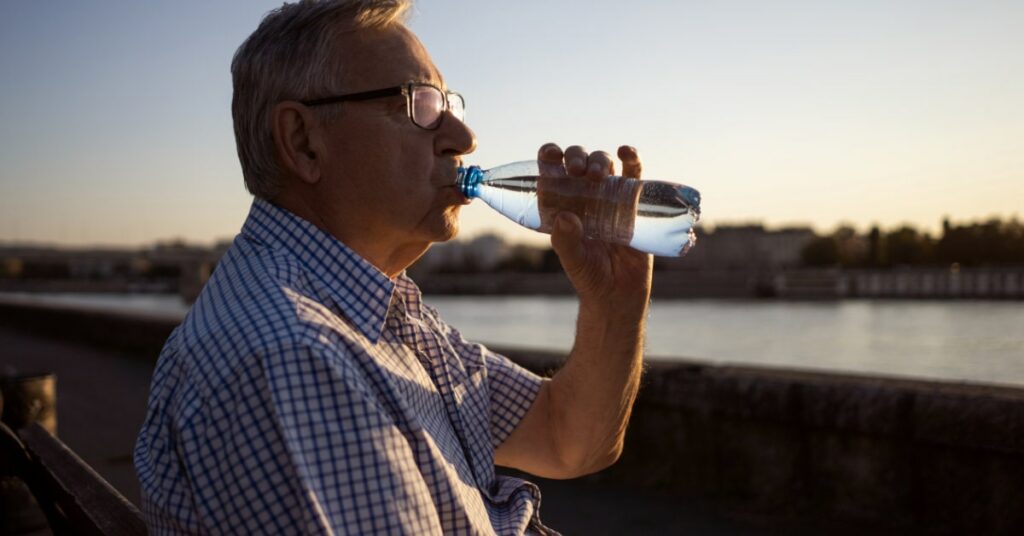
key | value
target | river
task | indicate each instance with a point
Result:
(976, 341)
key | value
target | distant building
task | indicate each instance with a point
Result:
(164, 266)
(744, 247)
(484, 253)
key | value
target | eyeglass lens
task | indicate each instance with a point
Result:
(457, 106)
(428, 106)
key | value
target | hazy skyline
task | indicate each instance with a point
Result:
(115, 123)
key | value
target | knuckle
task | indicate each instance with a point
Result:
(550, 168)
(600, 163)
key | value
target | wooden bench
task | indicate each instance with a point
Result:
(74, 498)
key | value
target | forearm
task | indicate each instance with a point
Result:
(577, 422)
(593, 394)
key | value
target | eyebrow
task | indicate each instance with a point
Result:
(438, 84)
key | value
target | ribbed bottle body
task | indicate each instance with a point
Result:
(652, 216)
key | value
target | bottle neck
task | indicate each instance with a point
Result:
(469, 180)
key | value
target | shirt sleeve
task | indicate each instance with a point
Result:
(300, 445)
(512, 391)
(511, 388)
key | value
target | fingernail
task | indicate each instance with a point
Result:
(576, 163)
(563, 223)
(596, 168)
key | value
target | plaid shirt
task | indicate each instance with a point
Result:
(306, 392)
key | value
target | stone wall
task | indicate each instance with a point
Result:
(878, 454)
(786, 446)
(137, 334)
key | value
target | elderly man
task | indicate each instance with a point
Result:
(310, 389)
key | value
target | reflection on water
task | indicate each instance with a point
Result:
(971, 341)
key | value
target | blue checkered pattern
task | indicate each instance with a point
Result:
(308, 393)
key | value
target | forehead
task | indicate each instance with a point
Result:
(377, 58)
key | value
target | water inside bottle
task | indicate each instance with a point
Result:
(666, 216)
(513, 197)
(665, 213)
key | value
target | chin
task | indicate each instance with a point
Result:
(439, 226)
(449, 232)
(448, 226)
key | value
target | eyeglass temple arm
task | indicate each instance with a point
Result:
(366, 95)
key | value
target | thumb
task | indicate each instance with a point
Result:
(567, 241)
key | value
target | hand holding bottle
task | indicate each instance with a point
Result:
(610, 274)
(651, 216)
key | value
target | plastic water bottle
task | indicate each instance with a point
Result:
(651, 216)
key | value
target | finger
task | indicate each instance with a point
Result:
(632, 166)
(567, 241)
(600, 165)
(576, 160)
(549, 160)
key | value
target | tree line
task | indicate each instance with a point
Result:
(988, 243)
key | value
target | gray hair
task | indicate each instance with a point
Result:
(291, 56)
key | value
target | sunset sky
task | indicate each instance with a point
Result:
(115, 123)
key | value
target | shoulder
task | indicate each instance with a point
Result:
(259, 304)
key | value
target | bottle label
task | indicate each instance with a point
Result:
(607, 208)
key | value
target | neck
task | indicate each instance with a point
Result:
(387, 254)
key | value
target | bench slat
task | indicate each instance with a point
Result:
(89, 501)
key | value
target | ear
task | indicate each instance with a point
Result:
(298, 140)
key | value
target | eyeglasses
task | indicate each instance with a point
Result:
(425, 104)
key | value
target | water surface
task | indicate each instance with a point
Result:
(953, 340)
(975, 341)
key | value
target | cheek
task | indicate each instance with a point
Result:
(396, 170)
(416, 157)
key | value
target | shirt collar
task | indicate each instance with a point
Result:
(411, 296)
(358, 290)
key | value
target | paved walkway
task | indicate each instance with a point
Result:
(101, 402)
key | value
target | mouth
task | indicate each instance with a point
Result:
(450, 183)
(451, 175)
(457, 193)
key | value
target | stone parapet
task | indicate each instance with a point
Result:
(790, 446)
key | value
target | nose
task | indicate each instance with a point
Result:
(454, 138)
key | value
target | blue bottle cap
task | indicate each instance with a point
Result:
(468, 180)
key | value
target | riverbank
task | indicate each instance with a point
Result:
(913, 283)
(802, 284)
